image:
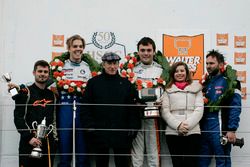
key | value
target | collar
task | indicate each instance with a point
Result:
(181, 85)
(145, 66)
(74, 63)
(110, 76)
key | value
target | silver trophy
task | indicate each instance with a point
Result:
(150, 96)
(41, 132)
(238, 142)
(7, 78)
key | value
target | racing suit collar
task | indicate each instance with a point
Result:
(74, 63)
(146, 65)
(214, 77)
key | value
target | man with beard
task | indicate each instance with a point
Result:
(220, 89)
(35, 103)
(71, 71)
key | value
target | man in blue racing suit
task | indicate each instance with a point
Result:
(220, 89)
(71, 71)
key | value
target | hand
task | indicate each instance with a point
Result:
(158, 104)
(12, 85)
(231, 137)
(35, 142)
(183, 128)
(54, 90)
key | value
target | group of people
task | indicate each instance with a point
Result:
(108, 112)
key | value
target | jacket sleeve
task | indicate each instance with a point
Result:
(167, 115)
(134, 111)
(234, 111)
(196, 116)
(86, 110)
(20, 112)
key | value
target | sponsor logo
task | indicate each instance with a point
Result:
(240, 41)
(240, 58)
(188, 49)
(218, 92)
(58, 40)
(82, 71)
(222, 39)
(244, 93)
(55, 54)
(42, 102)
(241, 76)
(218, 87)
(103, 42)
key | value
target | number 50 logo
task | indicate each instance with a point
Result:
(103, 40)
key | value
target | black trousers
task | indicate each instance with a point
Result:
(184, 150)
(26, 161)
(121, 157)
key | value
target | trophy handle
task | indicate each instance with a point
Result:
(159, 93)
(34, 124)
(50, 128)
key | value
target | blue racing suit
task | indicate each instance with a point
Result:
(78, 72)
(217, 121)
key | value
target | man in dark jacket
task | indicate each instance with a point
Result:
(111, 122)
(35, 103)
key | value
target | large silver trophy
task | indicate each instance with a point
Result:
(7, 78)
(41, 132)
(150, 96)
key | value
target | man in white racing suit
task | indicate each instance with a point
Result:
(147, 140)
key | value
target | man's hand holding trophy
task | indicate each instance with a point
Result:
(42, 131)
(151, 96)
(238, 142)
(12, 89)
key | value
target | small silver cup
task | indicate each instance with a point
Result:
(7, 78)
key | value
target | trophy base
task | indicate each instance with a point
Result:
(36, 153)
(151, 112)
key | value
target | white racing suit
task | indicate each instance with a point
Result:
(147, 140)
(77, 72)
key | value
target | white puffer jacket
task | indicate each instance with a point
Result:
(182, 105)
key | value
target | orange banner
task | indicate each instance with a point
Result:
(188, 49)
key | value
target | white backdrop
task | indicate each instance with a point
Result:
(27, 26)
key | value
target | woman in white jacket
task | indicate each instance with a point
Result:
(182, 109)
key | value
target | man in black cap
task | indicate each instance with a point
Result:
(111, 123)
